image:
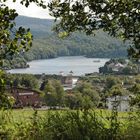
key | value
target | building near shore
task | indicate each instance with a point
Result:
(26, 97)
(120, 102)
(69, 81)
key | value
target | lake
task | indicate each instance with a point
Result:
(79, 65)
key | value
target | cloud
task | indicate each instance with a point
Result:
(32, 11)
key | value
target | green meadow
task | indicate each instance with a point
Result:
(29, 124)
(27, 113)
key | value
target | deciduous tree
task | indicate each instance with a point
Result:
(117, 17)
(12, 40)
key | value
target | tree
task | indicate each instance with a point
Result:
(29, 81)
(88, 96)
(72, 101)
(54, 93)
(12, 40)
(117, 90)
(112, 81)
(50, 94)
(117, 17)
(135, 89)
(59, 93)
(135, 98)
(6, 100)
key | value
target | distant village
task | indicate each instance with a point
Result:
(25, 97)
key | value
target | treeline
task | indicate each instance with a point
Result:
(100, 46)
(45, 40)
(17, 62)
(47, 44)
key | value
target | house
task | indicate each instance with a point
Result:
(116, 67)
(26, 97)
(69, 81)
(120, 102)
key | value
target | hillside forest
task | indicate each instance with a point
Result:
(47, 44)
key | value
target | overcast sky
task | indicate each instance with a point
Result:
(31, 11)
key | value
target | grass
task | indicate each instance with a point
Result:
(27, 113)
(21, 124)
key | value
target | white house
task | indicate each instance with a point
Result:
(121, 102)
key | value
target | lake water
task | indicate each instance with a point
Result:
(79, 65)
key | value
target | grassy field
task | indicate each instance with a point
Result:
(27, 124)
(27, 113)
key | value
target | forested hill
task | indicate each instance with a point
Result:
(47, 44)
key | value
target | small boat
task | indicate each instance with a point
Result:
(96, 61)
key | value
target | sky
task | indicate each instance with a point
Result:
(31, 11)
